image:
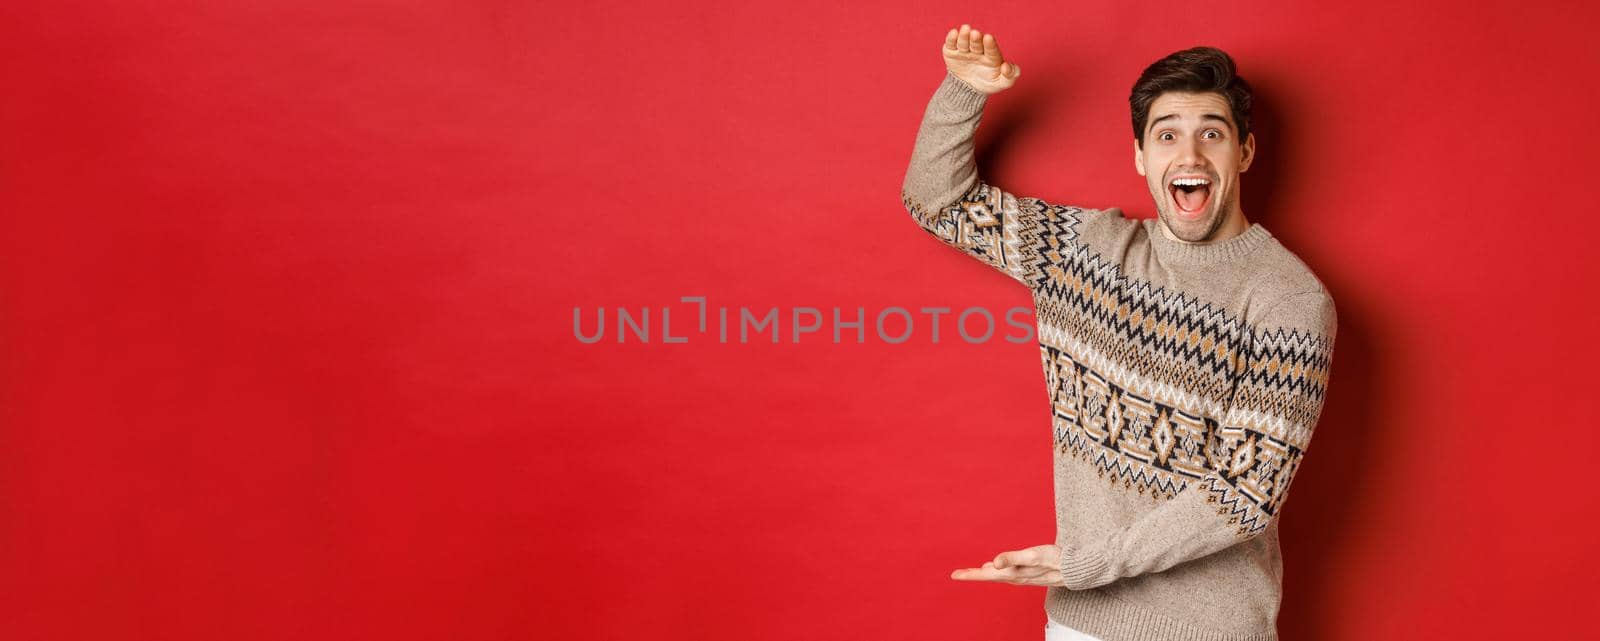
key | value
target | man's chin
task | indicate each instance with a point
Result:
(1190, 231)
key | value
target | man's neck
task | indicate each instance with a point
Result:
(1233, 227)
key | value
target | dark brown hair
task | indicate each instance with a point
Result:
(1196, 70)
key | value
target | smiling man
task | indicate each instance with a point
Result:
(1186, 356)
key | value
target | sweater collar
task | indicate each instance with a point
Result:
(1173, 251)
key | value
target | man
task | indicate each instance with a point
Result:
(1186, 356)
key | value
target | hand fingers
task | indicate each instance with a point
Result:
(1028, 571)
(991, 48)
(977, 42)
(1033, 576)
(1015, 570)
(985, 573)
(950, 40)
(1023, 558)
(1038, 565)
(964, 39)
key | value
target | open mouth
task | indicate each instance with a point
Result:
(1190, 194)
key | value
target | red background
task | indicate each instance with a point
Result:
(286, 343)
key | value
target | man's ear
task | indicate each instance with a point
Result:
(1248, 152)
(1138, 157)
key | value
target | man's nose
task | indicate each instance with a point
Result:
(1189, 153)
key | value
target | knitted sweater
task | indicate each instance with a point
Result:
(1184, 382)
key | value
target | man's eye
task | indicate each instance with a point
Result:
(1166, 135)
(1213, 131)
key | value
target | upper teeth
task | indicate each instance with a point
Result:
(1189, 182)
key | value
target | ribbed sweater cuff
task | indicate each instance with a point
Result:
(1082, 569)
(956, 94)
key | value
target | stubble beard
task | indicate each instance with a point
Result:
(1200, 231)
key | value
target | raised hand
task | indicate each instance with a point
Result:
(975, 58)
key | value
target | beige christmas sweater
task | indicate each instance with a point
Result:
(1184, 383)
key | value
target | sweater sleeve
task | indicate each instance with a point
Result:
(1252, 454)
(944, 195)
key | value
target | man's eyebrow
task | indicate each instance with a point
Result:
(1209, 116)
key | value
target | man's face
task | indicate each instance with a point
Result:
(1190, 139)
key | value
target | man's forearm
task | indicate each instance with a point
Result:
(943, 167)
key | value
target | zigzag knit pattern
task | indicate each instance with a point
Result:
(1167, 390)
(986, 224)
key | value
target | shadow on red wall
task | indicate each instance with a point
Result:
(1346, 449)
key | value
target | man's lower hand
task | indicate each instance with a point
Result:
(1038, 565)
